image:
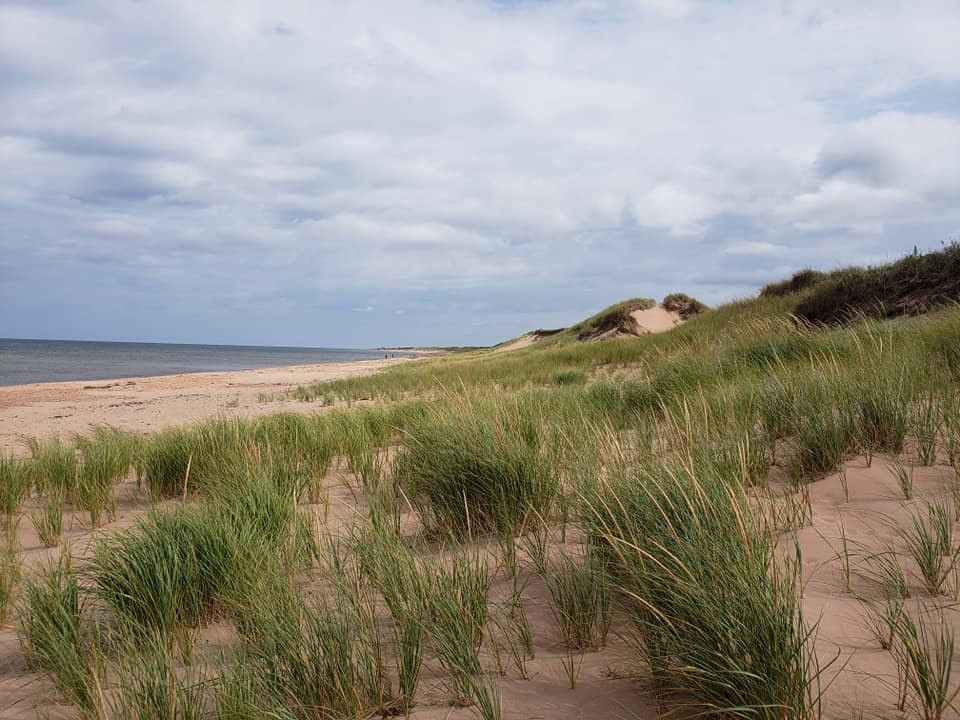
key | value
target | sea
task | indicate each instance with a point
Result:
(33, 361)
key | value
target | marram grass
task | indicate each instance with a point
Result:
(718, 623)
(639, 453)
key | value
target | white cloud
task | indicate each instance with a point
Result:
(671, 207)
(761, 249)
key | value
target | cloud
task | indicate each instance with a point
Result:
(762, 249)
(885, 170)
(256, 171)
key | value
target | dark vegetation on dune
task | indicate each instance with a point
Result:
(800, 281)
(912, 285)
(684, 305)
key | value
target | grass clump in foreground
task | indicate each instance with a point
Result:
(177, 569)
(472, 466)
(580, 594)
(718, 623)
(404, 582)
(304, 658)
(151, 683)
(924, 655)
(54, 640)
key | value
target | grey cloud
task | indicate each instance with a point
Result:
(872, 167)
(107, 187)
(93, 144)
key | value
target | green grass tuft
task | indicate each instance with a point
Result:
(719, 630)
(473, 467)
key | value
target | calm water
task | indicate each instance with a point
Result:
(30, 361)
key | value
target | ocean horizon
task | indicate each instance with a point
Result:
(25, 361)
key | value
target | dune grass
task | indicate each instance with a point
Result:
(101, 468)
(16, 482)
(929, 541)
(581, 597)
(151, 683)
(472, 467)
(404, 582)
(718, 624)
(56, 642)
(48, 519)
(179, 569)
(304, 658)
(637, 474)
(458, 618)
(54, 465)
(912, 285)
(924, 656)
(10, 571)
(684, 305)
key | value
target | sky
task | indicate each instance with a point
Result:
(411, 172)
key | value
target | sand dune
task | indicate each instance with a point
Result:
(655, 320)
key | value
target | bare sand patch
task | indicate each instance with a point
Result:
(154, 403)
(655, 320)
(870, 516)
(521, 342)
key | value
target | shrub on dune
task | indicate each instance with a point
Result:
(684, 305)
(800, 281)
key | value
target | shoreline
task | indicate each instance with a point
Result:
(408, 353)
(104, 383)
(154, 402)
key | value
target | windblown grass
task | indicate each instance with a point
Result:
(458, 618)
(10, 569)
(925, 656)
(581, 597)
(404, 582)
(48, 519)
(102, 466)
(929, 540)
(718, 624)
(151, 685)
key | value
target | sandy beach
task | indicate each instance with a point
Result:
(152, 403)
